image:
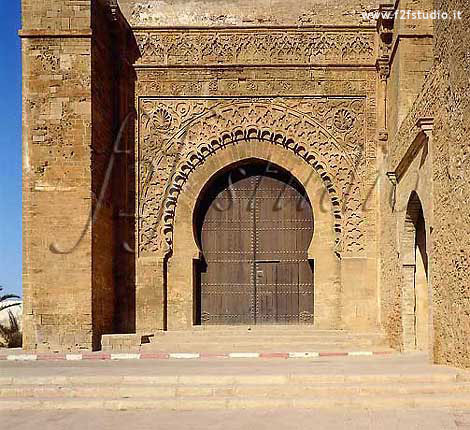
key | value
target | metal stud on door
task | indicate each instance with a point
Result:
(255, 234)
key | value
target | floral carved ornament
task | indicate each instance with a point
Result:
(178, 135)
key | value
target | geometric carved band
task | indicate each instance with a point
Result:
(289, 46)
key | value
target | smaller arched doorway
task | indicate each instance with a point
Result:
(415, 293)
(254, 225)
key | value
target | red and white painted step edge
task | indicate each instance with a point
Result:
(183, 356)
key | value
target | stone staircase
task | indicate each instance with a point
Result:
(236, 388)
(390, 381)
(264, 339)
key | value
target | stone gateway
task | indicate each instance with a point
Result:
(245, 163)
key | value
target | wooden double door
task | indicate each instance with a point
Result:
(255, 231)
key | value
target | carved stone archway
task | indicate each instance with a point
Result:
(178, 136)
(321, 139)
(181, 280)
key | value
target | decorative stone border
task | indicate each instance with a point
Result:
(100, 356)
(254, 47)
(177, 136)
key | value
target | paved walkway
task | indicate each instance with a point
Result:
(236, 420)
(256, 419)
(388, 364)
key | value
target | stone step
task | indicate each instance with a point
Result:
(265, 338)
(460, 401)
(239, 379)
(268, 332)
(186, 388)
(264, 341)
(268, 327)
(255, 341)
(241, 339)
(258, 347)
(270, 338)
(298, 390)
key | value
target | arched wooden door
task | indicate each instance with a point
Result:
(255, 230)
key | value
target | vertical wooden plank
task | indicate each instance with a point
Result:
(256, 252)
(284, 227)
(226, 282)
(266, 292)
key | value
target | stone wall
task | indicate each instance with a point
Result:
(202, 90)
(410, 163)
(56, 16)
(124, 53)
(69, 127)
(303, 77)
(103, 228)
(451, 190)
(333, 67)
(56, 175)
(411, 58)
(245, 13)
(435, 165)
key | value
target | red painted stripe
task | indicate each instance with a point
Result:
(164, 355)
(51, 357)
(213, 355)
(333, 354)
(274, 355)
(154, 356)
(96, 356)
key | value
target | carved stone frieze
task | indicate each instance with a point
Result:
(256, 47)
(178, 134)
(264, 80)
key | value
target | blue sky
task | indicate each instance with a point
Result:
(10, 147)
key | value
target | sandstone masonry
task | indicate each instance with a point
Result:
(131, 108)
